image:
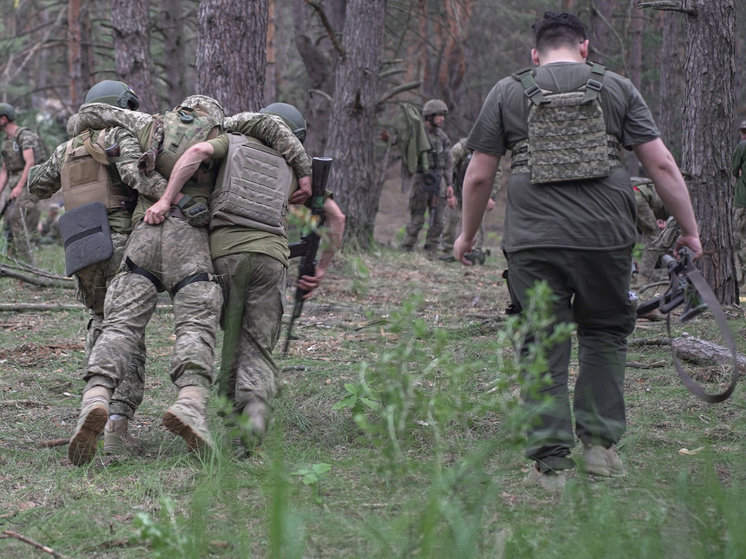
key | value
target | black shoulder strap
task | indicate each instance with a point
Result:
(530, 89)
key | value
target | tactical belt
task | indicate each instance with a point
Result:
(135, 269)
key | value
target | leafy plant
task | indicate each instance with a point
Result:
(162, 535)
(312, 477)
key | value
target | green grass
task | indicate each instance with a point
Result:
(431, 466)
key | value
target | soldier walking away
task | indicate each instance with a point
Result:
(22, 149)
(739, 171)
(583, 249)
(94, 172)
(430, 178)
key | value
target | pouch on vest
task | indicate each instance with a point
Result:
(86, 235)
(252, 188)
(567, 137)
(85, 177)
(182, 128)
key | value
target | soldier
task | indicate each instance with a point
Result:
(461, 158)
(583, 247)
(739, 221)
(249, 246)
(429, 187)
(73, 169)
(49, 227)
(22, 149)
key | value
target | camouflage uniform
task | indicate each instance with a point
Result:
(459, 153)
(420, 202)
(663, 244)
(22, 215)
(256, 263)
(93, 281)
(650, 208)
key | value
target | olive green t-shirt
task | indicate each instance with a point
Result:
(591, 214)
(236, 239)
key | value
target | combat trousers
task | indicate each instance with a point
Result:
(591, 290)
(23, 216)
(252, 370)
(739, 224)
(91, 283)
(419, 203)
(172, 251)
(452, 219)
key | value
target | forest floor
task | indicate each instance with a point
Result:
(396, 434)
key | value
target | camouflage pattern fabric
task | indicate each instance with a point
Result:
(272, 131)
(251, 370)
(22, 216)
(739, 224)
(663, 244)
(14, 147)
(206, 104)
(172, 251)
(97, 116)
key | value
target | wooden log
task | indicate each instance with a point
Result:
(702, 352)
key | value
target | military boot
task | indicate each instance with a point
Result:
(117, 439)
(259, 415)
(187, 417)
(94, 413)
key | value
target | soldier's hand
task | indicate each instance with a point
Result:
(490, 205)
(156, 213)
(16, 192)
(451, 201)
(461, 248)
(384, 135)
(692, 242)
(304, 191)
(309, 283)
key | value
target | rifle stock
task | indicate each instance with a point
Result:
(308, 246)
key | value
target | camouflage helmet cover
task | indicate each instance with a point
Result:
(206, 104)
(290, 116)
(7, 110)
(434, 107)
(115, 93)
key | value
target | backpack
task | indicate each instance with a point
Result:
(567, 137)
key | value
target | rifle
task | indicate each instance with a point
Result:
(308, 246)
(687, 286)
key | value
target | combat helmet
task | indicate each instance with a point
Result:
(112, 92)
(434, 107)
(205, 104)
(7, 110)
(290, 116)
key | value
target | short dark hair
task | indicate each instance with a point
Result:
(558, 29)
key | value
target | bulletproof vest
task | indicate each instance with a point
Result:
(252, 187)
(86, 178)
(567, 137)
(13, 154)
(180, 129)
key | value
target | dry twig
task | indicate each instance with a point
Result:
(37, 545)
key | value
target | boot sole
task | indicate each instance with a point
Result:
(182, 429)
(603, 472)
(83, 444)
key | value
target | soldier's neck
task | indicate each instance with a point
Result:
(560, 55)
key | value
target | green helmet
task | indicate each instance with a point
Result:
(434, 107)
(115, 93)
(290, 116)
(8, 111)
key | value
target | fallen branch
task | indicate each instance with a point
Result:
(20, 403)
(36, 279)
(651, 285)
(701, 352)
(648, 341)
(637, 365)
(668, 6)
(37, 545)
(51, 443)
(27, 268)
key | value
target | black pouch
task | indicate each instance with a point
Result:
(87, 236)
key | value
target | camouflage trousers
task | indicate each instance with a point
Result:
(663, 244)
(452, 219)
(419, 203)
(172, 252)
(739, 234)
(22, 217)
(91, 283)
(250, 368)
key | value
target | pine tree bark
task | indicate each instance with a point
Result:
(75, 53)
(671, 86)
(173, 51)
(707, 145)
(352, 126)
(130, 22)
(231, 55)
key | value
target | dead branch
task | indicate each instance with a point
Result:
(391, 72)
(35, 279)
(20, 403)
(399, 89)
(324, 94)
(25, 268)
(51, 443)
(701, 352)
(668, 6)
(31, 542)
(328, 26)
(654, 284)
(637, 365)
(648, 341)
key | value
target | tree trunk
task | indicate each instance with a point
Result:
(75, 53)
(671, 87)
(270, 72)
(602, 13)
(352, 126)
(130, 22)
(231, 53)
(173, 51)
(708, 121)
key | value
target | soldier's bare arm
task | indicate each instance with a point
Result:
(335, 227)
(670, 186)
